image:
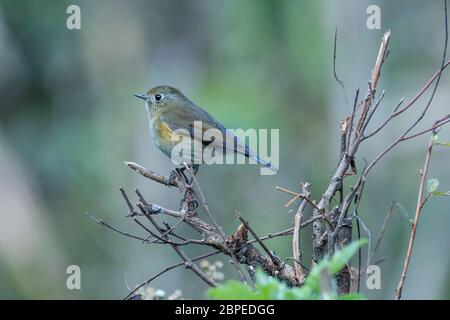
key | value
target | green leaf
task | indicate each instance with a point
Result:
(432, 185)
(435, 138)
(444, 144)
(318, 285)
(343, 256)
(351, 296)
(441, 193)
(232, 289)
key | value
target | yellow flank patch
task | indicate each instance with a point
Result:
(164, 132)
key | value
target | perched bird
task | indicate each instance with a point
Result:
(173, 116)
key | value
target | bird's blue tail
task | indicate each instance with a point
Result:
(265, 163)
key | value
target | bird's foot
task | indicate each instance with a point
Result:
(176, 174)
(180, 173)
(190, 202)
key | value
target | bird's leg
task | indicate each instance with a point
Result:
(179, 172)
(188, 195)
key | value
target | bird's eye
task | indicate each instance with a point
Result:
(158, 97)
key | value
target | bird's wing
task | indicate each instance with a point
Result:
(197, 122)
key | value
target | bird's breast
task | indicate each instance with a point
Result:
(162, 135)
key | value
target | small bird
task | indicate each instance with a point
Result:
(173, 114)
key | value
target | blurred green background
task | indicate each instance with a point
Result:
(68, 120)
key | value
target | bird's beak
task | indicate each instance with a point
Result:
(141, 96)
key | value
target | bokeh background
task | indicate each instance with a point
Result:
(68, 120)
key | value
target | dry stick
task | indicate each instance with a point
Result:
(376, 72)
(216, 225)
(187, 261)
(298, 195)
(437, 124)
(296, 261)
(358, 232)
(225, 248)
(374, 109)
(171, 229)
(132, 213)
(203, 256)
(369, 247)
(382, 53)
(286, 232)
(163, 240)
(296, 246)
(404, 135)
(395, 113)
(103, 223)
(144, 240)
(383, 227)
(424, 111)
(246, 224)
(173, 232)
(352, 118)
(149, 211)
(155, 209)
(344, 133)
(150, 174)
(344, 163)
(424, 172)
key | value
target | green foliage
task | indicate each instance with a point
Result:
(444, 144)
(432, 185)
(315, 286)
(439, 143)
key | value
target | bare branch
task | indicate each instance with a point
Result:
(188, 262)
(176, 265)
(103, 223)
(150, 174)
(376, 72)
(423, 177)
(339, 81)
(216, 225)
(298, 195)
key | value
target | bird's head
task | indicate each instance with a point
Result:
(162, 97)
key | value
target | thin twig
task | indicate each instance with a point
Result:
(423, 177)
(352, 118)
(216, 225)
(436, 125)
(103, 223)
(383, 227)
(176, 265)
(341, 83)
(269, 253)
(286, 232)
(376, 72)
(424, 111)
(171, 229)
(188, 262)
(298, 195)
(369, 244)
